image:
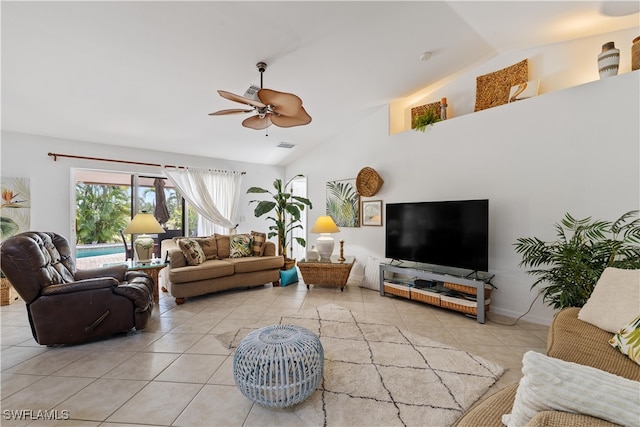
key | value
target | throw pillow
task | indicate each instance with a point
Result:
(240, 246)
(209, 246)
(371, 279)
(192, 251)
(614, 301)
(222, 243)
(288, 277)
(627, 340)
(259, 240)
(557, 385)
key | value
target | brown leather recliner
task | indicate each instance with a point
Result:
(69, 306)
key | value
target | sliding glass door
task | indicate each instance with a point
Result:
(105, 202)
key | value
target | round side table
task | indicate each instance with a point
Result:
(279, 365)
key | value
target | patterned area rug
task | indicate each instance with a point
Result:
(376, 374)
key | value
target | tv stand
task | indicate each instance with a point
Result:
(439, 286)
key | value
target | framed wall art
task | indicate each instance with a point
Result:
(15, 211)
(343, 202)
(372, 212)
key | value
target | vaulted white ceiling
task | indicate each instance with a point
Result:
(145, 74)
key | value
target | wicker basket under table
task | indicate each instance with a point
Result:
(330, 273)
(8, 295)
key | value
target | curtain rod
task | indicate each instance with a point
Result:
(101, 159)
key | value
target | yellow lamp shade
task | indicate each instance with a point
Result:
(325, 224)
(142, 224)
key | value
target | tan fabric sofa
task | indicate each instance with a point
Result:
(572, 340)
(218, 274)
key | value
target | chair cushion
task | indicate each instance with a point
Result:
(614, 301)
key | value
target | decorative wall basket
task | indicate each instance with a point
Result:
(493, 89)
(368, 182)
(635, 54)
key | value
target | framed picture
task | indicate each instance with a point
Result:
(343, 202)
(372, 212)
(15, 215)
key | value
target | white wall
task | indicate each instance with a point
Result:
(557, 66)
(575, 150)
(52, 183)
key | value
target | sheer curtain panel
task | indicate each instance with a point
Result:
(213, 194)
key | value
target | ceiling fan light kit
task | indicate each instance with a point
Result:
(271, 106)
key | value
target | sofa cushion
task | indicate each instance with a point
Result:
(627, 340)
(223, 244)
(192, 251)
(614, 301)
(553, 384)
(209, 269)
(258, 243)
(250, 264)
(240, 246)
(209, 246)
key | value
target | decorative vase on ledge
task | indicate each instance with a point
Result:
(608, 60)
(635, 54)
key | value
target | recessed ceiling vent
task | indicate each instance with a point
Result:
(286, 145)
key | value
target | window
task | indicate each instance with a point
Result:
(106, 201)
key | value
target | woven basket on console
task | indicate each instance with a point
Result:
(368, 182)
(468, 289)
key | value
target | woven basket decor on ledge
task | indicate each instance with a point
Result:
(493, 89)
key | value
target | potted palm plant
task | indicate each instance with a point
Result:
(285, 211)
(571, 265)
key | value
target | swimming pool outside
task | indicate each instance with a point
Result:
(99, 249)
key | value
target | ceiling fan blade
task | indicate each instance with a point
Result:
(230, 111)
(240, 99)
(257, 123)
(285, 104)
(300, 119)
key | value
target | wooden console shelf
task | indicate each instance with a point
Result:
(449, 291)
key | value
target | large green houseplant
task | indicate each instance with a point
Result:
(571, 265)
(285, 209)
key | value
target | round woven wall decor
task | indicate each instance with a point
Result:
(368, 182)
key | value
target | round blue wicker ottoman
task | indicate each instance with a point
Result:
(278, 365)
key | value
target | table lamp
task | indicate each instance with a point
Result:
(141, 224)
(324, 226)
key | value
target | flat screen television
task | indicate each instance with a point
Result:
(446, 233)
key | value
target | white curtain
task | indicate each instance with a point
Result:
(213, 194)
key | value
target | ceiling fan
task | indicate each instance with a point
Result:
(272, 107)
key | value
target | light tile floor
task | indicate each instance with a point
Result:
(175, 372)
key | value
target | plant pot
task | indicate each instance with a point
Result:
(289, 264)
